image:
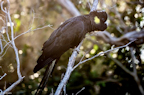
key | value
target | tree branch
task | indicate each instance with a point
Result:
(106, 37)
(135, 76)
(101, 53)
(132, 73)
(69, 6)
(20, 78)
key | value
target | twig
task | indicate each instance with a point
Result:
(115, 60)
(102, 53)
(2, 7)
(13, 44)
(7, 28)
(69, 6)
(20, 78)
(3, 76)
(135, 76)
(133, 58)
(4, 51)
(94, 7)
(1, 46)
(121, 65)
(80, 91)
(68, 71)
(89, 3)
(8, 43)
(118, 14)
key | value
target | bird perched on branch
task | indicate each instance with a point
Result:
(66, 36)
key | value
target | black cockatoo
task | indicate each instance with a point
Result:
(68, 35)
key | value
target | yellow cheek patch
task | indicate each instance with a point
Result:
(96, 20)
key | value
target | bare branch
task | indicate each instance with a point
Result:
(101, 53)
(20, 78)
(133, 58)
(69, 6)
(4, 51)
(80, 91)
(115, 60)
(121, 65)
(3, 76)
(10, 42)
(135, 76)
(2, 7)
(94, 7)
(106, 37)
(68, 71)
(13, 44)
